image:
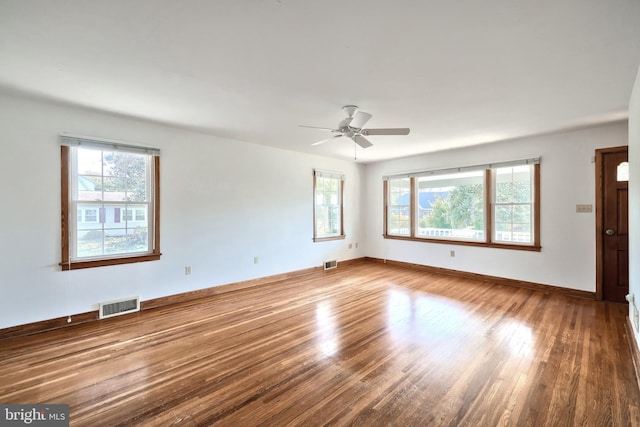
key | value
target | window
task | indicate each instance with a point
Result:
(513, 207)
(110, 199)
(623, 171)
(451, 206)
(90, 215)
(489, 205)
(141, 214)
(328, 189)
(399, 207)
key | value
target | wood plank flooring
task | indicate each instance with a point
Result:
(363, 345)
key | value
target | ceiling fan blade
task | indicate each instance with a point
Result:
(315, 127)
(388, 131)
(362, 141)
(359, 119)
(327, 140)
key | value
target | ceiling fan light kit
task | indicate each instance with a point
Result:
(353, 127)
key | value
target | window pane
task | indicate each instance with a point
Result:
(126, 176)
(399, 200)
(137, 239)
(451, 206)
(91, 215)
(513, 185)
(114, 189)
(89, 243)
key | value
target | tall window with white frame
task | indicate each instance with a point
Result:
(110, 200)
(399, 207)
(328, 212)
(513, 204)
(495, 205)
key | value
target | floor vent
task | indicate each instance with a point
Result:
(330, 265)
(119, 307)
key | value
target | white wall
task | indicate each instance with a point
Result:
(222, 203)
(634, 197)
(567, 258)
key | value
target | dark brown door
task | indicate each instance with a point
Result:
(615, 222)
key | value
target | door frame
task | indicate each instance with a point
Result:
(599, 160)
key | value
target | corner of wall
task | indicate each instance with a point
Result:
(634, 200)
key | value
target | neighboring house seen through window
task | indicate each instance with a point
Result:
(110, 200)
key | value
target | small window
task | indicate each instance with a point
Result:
(90, 215)
(328, 189)
(623, 171)
(114, 191)
(141, 215)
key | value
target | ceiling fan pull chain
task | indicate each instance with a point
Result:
(355, 151)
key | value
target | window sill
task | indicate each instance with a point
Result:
(326, 239)
(531, 248)
(111, 261)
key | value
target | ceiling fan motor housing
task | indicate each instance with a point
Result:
(350, 110)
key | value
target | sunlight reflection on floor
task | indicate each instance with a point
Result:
(327, 335)
(434, 321)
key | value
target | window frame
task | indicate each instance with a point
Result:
(67, 228)
(489, 210)
(333, 175)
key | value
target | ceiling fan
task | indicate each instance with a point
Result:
(352, 127)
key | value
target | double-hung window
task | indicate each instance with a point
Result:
(110, 203)
(513, 204)
(328, 190)
(494, 205)
(399, 207)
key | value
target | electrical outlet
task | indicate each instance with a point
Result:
(350, 245)
(452, 254)
(255, 259)
(356, 245)
(187, 270)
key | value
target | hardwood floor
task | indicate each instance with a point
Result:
(365, 345)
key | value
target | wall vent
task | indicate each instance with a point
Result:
(330, 265)
(119, 307)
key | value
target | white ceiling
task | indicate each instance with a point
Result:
(457, 73)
